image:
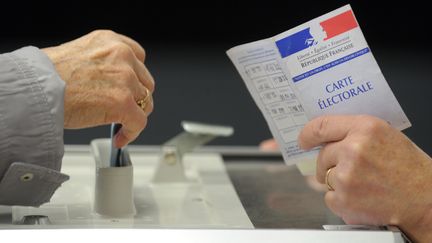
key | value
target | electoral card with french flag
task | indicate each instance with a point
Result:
(333, 69)
(324, 66)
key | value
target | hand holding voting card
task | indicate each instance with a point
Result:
(324, 66)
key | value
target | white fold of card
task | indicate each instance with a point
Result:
(324, 66)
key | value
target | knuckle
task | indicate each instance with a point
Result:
(354, 148)
(127, 74)
(357, 150)
(122, 50)
(103, 32)
(348, 180)
(372, 125)
(319, 130)
(151, 107)
(151, 85)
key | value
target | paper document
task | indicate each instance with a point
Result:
(324, 66)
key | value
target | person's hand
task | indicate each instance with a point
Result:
(378, 175)
(269, 145)
(105, 77)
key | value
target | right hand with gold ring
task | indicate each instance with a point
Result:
(105, 77)
(375, 174)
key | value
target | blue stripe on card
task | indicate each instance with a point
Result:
(330, 65)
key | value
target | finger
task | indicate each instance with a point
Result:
(149, 106)
(136, 48)
(327, 158)
(145, 96)
(332, 203)
(144, 75)
(269, 145)
(126, 136)
(335, 179)
(324, 129)
(133, 122)
(139, 91)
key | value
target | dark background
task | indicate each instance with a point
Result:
(186, 44)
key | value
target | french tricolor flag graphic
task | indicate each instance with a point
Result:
(329, 28)
(339, 24)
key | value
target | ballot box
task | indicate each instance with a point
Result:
(210, 193)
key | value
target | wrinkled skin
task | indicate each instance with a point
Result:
(379, 177)
(105, 75)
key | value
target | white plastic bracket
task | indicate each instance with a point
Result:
(170, 168)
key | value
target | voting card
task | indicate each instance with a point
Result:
(324, 66)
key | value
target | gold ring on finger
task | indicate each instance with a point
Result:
(329, 187)
(142, 103)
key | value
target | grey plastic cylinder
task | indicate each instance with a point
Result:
(114, 185)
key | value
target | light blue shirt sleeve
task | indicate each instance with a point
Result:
(31, 128)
